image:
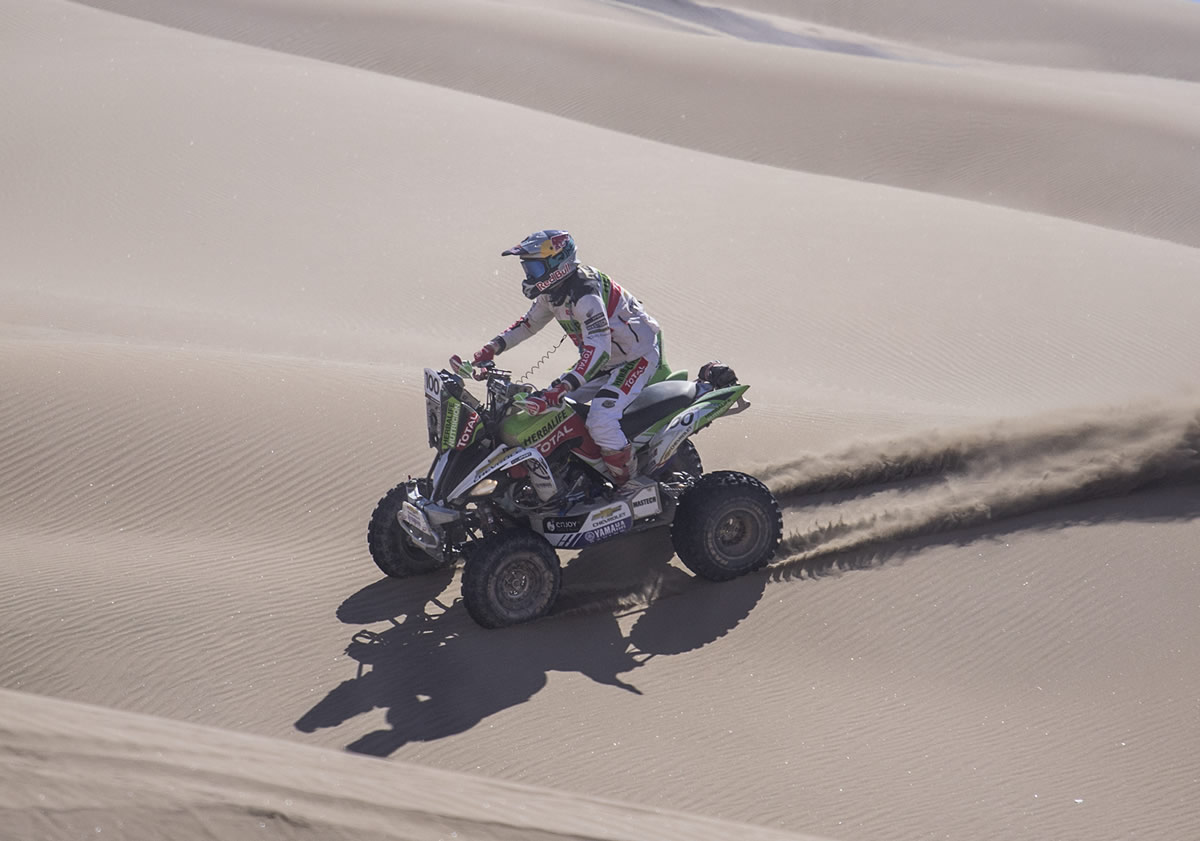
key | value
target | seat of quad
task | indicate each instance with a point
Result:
(652, 405)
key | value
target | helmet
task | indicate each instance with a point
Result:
(548, 258)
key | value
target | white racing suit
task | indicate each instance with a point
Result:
(618, 344)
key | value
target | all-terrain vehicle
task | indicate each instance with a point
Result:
(507, 489)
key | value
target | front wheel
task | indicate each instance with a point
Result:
(510, 577)
(391, 549)
(728, 524)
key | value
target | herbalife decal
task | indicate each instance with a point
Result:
(450, 424)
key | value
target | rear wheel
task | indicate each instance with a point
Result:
(728, 524)
(510, 577)
(686, 460)
(391, 549)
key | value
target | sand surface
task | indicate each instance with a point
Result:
(954, 248)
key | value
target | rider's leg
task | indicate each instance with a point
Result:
(604, 416)
(620, 464)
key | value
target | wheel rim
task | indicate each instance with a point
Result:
(520, 584)
(737, 535)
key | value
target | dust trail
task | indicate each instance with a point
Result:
(940, 452)
(1005, 470)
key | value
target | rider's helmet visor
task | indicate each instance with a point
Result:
(534, 269)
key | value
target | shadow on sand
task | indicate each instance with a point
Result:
(437, 673)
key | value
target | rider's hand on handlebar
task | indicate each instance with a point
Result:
(466, 369)
(480, 361)
(541, 402)
(485, 354)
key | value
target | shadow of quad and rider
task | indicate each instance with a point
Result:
(437, 673)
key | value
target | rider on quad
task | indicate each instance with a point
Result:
(618, 341)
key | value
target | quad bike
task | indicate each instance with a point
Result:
(506, 489)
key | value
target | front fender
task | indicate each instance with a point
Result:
(505, 457)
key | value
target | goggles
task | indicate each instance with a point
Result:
(535, 269)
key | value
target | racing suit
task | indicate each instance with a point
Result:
(618, 342)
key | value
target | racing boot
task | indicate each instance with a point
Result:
(620, 464)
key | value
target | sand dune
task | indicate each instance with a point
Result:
(1152, 39)
(1044, 144)
(951, 247)
(185, 781)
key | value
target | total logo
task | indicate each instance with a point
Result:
(585, 358)
(468, 432)
(633, 375)
(547, 446)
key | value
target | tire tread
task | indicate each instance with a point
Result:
(481, 564)
(390, 547)
(688, 531)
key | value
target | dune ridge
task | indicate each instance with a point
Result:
(1097, 34)
(975, 133)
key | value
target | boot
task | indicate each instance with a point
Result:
(620, 464)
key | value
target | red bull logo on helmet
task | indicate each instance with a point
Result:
(543, 285)
(562, 271)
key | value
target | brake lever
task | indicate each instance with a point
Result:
(461, 367)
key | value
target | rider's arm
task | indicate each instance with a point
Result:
(595, 345)
(539, 316)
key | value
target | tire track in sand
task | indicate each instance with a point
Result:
(985, 475)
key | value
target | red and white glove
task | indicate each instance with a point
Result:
(482, 356)
(543, 401)
(485, 354)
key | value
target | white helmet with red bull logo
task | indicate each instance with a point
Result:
(548, 258)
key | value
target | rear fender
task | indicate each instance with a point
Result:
(689, 421)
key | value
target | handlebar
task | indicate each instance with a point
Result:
(484, 371)
(491, 372)
(502, 391)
